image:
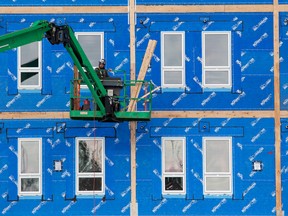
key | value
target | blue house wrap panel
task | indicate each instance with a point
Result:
(250, 189)
(252, 81)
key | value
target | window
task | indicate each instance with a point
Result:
(30, 66)
(172, 55)
(173, 165)
(90, 166)
(93, 45)
(217, 164)
(216, 52)
(29, 166)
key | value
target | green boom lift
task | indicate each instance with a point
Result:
(108, 104)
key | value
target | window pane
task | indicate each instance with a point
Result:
(216, 77)
(29, 55)
(173, 183)
(173, 50)
(173, 77)
(218, 184)
(217, 155)
(216, 50)
(90, 184)
(30, 184)
(91, 45)
(29, 157)
(90, 156)
(29, 78)
(173, 155)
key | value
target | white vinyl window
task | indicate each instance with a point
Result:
(173, 59)
(93, 45)
(29, 61)
(216, 65)
(29, 166)
(217, 165)
(90, 166)
(173, 165)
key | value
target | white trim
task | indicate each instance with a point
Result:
(90, 175)
(29, 175)
(173, 174)
(173, 68)
(217, 174)
(31, 69)
(216, 68)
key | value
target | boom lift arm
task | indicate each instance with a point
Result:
(64, 35)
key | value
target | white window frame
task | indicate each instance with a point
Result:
(174, 174)
(29, 175)
(101, 34)
(30, 69)
(168, 69)
(227, 68)
(217, 174)
(92, 174)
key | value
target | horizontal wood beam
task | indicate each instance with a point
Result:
(141, 9)
(155, 114)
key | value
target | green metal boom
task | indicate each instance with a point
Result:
(65, 35)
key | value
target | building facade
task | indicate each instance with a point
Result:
(217, 140)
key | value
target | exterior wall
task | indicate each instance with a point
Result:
(254, 193)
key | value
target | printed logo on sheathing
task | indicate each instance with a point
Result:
(3, 168)
(197, 146)
(244, 67)
(13, 180)
(112, 42)
(61, 68)
(156, 172)
(187, 207)
(53, 144)
(257, 136)
(258, 25)
(264, 85)
(257, 42)
(91, 24)
(38, 207)
(124, 193)
(249, 205)
(155, 141)
(11, 75)
(259, 151)
(245, 192)
(236, 100)
(175, 27)
(254, 122)
(197, 176)
(19, 130)
(97, 206)
(215, 208)
(155, 57)
(66, 208)
(206, 26)
(265, 100)
(66, 173)
(223, 123)
(157, 207)
(43, 100)
(110, 192)
(125, 61)
(12, 149)
(235, 26)
(176, 101)
(109, 161)
(240, 175)
(240, 146)
(125, 208)
(17, 97)
(138, 138)
(143, 39)
(5, 210)
(205, 101)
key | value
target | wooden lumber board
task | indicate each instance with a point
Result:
(144, 67)
(133, 199)
(34, 115)
(277, 128)
(76, 88)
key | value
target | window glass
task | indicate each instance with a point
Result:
(216, 64)
(29, 166)
(173, 165)
(217, 165)
(29, 66)
(172, 55)
(90, 166)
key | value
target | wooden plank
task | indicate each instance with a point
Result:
(203, 8)
(277, 128)
(212, 114)
(76, 99)
(63, 10)
(144, 67)
(133, 204)
(34, 115)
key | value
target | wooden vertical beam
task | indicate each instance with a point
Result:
(277, 110)
(144, 67)
(133, 204)
(76, 99)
